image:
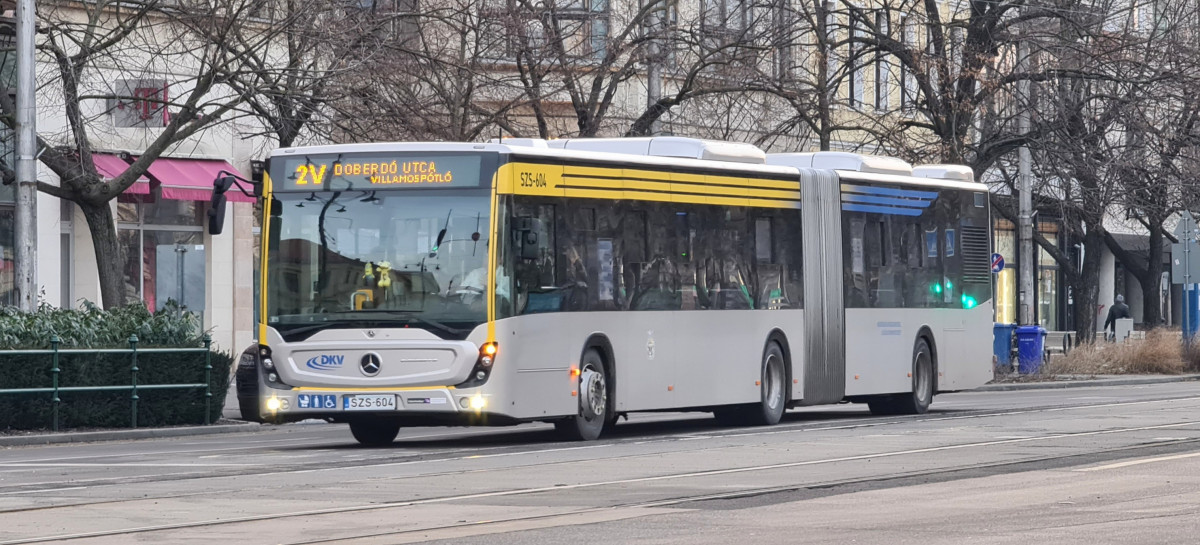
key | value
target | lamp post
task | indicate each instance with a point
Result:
(26, 167)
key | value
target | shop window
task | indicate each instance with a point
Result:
(165, 255)
(7, 269)
(66, 243)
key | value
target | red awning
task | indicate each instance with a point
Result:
(110, 166)
(192, 179)
(180, 179)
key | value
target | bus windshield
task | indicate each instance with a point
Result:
(387, 258)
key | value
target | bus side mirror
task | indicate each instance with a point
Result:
(216, 212)
(527, 238)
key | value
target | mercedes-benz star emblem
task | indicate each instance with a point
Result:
(369, 365)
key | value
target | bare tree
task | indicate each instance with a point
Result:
(96, 49)
(1109, 131)
(1160, 126)
(436, 71)
(296, 66)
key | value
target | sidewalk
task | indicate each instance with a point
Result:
(1082, 381)
(53, 438)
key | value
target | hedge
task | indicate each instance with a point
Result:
(90, 327)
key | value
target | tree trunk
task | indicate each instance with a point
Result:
(1087, 287)
(1152, 282)
(110, 262)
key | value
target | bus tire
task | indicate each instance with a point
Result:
(249, 412)
(374, 432)
(772, 388)
(917, 401)
(595, 401)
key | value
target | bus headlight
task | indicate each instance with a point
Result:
(478, 402)
(273, 404)
(268, 363)
(487, 354)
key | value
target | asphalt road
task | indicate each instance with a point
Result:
(1079, 465)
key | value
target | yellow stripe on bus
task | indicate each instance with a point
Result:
(263, 244)
(491, 259)
(646, 185)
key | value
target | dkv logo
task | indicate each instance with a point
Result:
(325, 362)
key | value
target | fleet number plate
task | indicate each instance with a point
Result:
(363, 402)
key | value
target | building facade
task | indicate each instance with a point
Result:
(168, 255)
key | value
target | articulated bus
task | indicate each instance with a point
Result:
(574, 281)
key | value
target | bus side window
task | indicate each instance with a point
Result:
(533, 235)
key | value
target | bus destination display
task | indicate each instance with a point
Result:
(360, 171)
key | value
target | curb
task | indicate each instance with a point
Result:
(1132, 381)
(125, 435)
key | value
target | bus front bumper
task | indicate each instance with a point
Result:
(336, 403)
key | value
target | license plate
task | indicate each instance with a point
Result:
(364, 402)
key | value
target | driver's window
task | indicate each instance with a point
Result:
(535, 278)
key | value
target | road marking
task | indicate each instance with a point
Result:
(41, 490)
(1139, 462)
(556, 488)
(799, 428)
(783, 429)
(123, 464)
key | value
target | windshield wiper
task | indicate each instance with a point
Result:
(351, 319)
(441, 235)
(301, 330)
(412, 316)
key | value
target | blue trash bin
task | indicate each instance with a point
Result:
(1002, 338)
(1031, 340)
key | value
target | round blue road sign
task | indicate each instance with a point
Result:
(997, 263)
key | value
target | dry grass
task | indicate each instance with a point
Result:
(1160, 353)
(1191, 358)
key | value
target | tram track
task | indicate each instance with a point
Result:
(474, 453)
(787, 493)
(825, 487)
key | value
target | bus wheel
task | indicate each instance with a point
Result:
(772, 388)
(374, 432)
(594, 408)
(918, 401)
(772, 395)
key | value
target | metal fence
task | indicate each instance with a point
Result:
(54, 352)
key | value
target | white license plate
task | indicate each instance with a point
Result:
(364, 402)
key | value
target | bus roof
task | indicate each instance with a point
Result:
(782, 168)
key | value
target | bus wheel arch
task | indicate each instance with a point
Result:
(774, 384)
(600, 342)
(926, 333)
(780, 338)
(911, 402)
(581, 427)
(924, 379)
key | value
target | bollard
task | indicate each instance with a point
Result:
(133, 371)
(207, 380)
(54, 340)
